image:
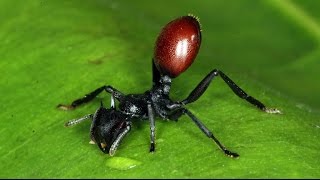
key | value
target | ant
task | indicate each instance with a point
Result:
(175, 50)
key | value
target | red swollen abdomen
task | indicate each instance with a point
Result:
(177, 46)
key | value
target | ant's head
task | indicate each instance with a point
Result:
(108, 128)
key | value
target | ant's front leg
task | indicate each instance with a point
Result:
(88, 97)
(203, 85)
(79, 120)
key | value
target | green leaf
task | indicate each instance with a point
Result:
(56, 51)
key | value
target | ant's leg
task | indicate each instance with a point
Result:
(77, 121)
(176, 114)
(203, 85)
(88, 97)
(152, 128)
(206, 131)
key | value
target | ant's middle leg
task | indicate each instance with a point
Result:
(203, 85)
(90, 96)
(152, 128)
(176, 114)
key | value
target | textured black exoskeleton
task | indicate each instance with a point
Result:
(109, 126)
(175, 50)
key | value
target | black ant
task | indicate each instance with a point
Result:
(175, 50)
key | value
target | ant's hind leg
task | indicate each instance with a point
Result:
(90, 96)
(175, 115)
(203, 85)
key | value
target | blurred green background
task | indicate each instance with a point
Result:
(54, 51)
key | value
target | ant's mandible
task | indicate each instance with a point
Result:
(175, 50)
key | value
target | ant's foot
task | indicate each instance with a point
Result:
(65, 107)
(272, 111)
(152, 148)
(231, 154)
